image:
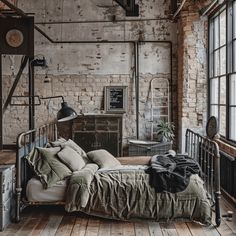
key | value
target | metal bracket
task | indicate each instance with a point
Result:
(130, 7)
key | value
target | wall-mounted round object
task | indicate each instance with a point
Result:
(212, 127)
(14, 38)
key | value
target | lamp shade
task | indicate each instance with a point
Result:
(66, 113)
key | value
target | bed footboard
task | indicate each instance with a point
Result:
(25, 143)
(206, 153)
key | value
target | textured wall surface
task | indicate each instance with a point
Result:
(192, 70)
(80, 71)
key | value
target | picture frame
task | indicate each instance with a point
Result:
(116, 98)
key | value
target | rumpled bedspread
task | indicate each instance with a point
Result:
(124, 193)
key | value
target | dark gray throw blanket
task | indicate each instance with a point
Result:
(172, 172)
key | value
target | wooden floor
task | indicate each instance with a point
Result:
(7, 157)
(47, 221)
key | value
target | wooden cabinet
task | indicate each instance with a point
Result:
(7, 175)
(91, 132)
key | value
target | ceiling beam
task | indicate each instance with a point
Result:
(14, 8)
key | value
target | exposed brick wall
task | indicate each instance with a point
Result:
(80, 72)
(192, 69)
(85, 93)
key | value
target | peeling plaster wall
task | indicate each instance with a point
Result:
(80, 71)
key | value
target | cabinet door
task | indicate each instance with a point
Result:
(86, 140)
(109, 141)
(98, 140)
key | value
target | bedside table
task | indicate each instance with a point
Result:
(7, 179)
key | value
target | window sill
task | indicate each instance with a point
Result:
(226, 147)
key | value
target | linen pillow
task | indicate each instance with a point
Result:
(47, 166)
(57, 143)
(103, 158)
(77, 148)
(71, 158)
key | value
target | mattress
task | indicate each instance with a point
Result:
(36, 193)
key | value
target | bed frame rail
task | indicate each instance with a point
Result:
(25, 143)
(202, 149)
(206, 152)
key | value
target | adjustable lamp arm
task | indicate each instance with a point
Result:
(44, 98)
(64, 114)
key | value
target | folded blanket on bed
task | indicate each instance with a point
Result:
(172, 172)
(79, 186)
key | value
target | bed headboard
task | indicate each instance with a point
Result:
(25, 142)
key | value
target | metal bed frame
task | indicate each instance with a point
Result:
(202, 149)
(206, 152)
(26, 141)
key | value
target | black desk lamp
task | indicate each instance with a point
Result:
(65, 113)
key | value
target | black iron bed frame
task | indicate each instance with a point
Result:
(202, 149)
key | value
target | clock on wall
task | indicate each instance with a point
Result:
(17, 36)
(212, 127)
(14, 38)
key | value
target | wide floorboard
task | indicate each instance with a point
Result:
(53, 220)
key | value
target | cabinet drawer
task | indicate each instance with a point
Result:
(6, 179)
(96, 131)
(84, 124)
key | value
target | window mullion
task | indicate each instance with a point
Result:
(227, 71)
(219, 107)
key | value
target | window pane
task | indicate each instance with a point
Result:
(214, 111)
(223, 120)
(214, 91)
(211, 32)
(232, 88)
(222, 90)
(211, 65)
(232, 126)
(223, 60)
(216, 32)
(223, 28)
(229, 57)
(216, 63)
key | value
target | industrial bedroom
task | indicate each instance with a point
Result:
(118, 117)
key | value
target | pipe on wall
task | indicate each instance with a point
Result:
(103, 21)
(179, 9)
(136, 59)
(136, 55)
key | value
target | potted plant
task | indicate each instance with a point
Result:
(165, 131)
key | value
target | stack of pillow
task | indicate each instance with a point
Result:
(59, 159)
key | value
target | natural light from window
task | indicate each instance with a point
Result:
(222, 69)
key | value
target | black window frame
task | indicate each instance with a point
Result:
(230, 69)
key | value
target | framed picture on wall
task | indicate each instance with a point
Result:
(116, 98)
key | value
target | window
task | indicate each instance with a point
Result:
(222, 69)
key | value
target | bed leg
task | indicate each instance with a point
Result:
(18, 197)
(217, 209)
